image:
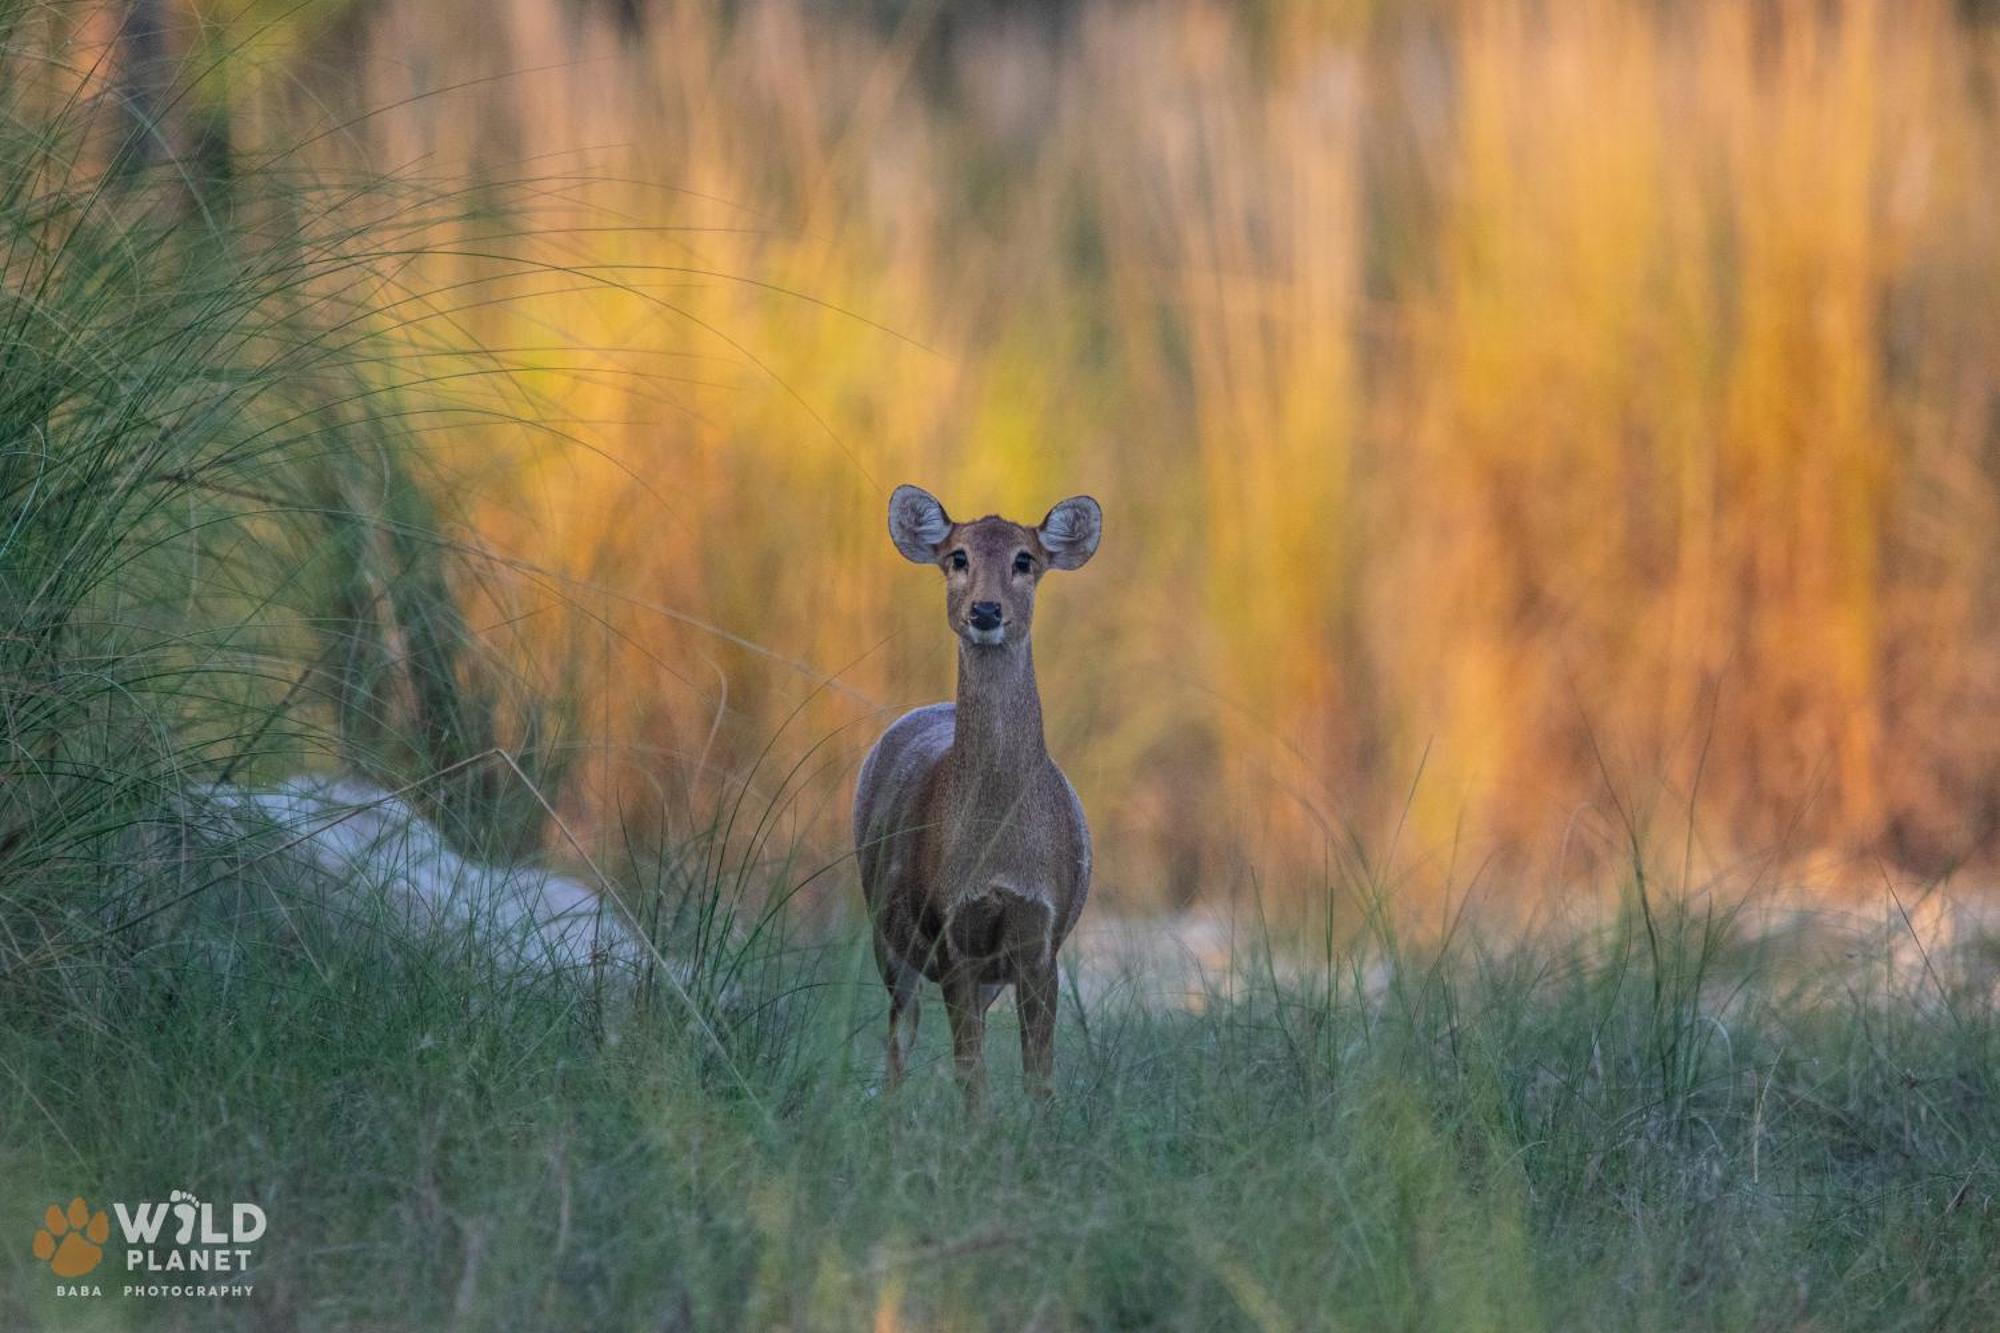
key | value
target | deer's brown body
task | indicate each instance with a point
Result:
(973, 850)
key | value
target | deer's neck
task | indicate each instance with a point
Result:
(997, 731)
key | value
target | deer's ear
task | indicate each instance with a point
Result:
(917, 524)
(1071, 531)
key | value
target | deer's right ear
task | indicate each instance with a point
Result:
(917, 524)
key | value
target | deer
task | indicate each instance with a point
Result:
(973, 851)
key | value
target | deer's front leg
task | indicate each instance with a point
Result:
(1035, 994)
(968, 1033)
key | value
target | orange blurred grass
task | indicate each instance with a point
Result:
(1591, 406)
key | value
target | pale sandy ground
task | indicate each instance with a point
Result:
(359, 843)
(360, 847)
(1921, 941)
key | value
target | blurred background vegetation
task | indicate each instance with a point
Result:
(1517, 423)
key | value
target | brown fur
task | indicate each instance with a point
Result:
(974, 854)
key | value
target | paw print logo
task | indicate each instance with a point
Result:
(72, 1243)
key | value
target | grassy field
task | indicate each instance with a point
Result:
(1591, 1136)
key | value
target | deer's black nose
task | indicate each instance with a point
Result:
(986, 615)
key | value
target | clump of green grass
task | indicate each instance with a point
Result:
(220, 557)
(1432, 1139)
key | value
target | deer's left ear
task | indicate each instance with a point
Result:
(1071, 531)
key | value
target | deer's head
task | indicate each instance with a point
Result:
(991, 565)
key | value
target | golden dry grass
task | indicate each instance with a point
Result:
(1526, 393)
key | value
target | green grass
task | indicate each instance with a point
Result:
(1484, 1142)
(220, 557)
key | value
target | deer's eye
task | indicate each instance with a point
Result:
(1024, 563)
(958, 560)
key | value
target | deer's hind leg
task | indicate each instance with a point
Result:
(905, 986)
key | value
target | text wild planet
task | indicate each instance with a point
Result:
(196, 1249)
